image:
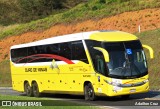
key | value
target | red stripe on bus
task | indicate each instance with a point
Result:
(48, 56)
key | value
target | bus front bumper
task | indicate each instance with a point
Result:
(118, 91)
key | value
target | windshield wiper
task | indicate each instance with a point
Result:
(127, 65)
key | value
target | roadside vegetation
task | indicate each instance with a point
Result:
(5, 74)
(34, 19)
(151, 38)
(23, 11)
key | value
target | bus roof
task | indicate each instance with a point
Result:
(108, 36)
(112, 36)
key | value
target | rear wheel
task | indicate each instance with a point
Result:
(28, 89)
(36, 92)
(89, 93)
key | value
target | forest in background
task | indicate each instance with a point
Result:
(22, 11)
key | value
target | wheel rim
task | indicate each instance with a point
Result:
(90, 92)
(27, 89)
(35, 90)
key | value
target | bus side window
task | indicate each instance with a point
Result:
(78, 52)
(19, 55)
(65, 50)
(52, 49)
(97, 57)
(98, 62)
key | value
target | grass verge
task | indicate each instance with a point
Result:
(152, 38)
(59, 104)
(5, 74)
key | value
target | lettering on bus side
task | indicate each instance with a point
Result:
(28, 69)
(35, 69)
(86, 75)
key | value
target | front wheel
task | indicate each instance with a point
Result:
(36, 92)
(89, 93)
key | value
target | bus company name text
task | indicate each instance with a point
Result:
(35, 69)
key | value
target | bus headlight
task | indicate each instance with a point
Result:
(145, 81)
(112, 83)
(127, 85)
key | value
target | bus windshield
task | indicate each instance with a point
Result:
(127, 59)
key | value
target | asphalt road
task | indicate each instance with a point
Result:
(105, 102)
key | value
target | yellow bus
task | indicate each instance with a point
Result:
(95, 63)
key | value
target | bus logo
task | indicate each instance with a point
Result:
(54, 65)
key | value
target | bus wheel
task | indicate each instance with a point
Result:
(89, 92)
(36, 92)
(28, 89)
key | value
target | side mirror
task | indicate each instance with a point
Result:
(105, 53)
(151, 52)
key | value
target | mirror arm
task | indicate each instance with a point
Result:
(105, 53)
(151, 52)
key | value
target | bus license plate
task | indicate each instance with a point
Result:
(132, 90)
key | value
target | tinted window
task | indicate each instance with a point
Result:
(97, 57)
(18, 55)
(78, 52)
(133, 44)
(33, 53)
(65, 50)
(70, 50)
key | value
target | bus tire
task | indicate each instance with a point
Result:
(28, 89)
(36, 92)
(89, 93)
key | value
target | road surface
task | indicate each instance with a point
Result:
(105, 102)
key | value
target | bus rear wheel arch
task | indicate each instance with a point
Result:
(28, 89)
(89, 93)
(35, 87)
